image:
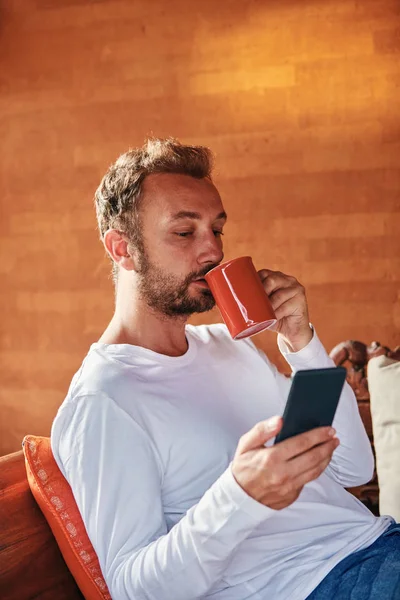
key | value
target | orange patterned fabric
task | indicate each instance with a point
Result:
(55, 499)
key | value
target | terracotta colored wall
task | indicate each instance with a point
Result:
(300, 101)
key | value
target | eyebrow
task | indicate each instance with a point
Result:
(187, 214)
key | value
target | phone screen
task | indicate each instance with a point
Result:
(312, 402)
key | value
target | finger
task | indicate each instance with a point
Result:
(312, 458)
(304, 441)
(259, 434)
(273, 280)
(282, 295)
(311, 474)
(290, 308)
(264, 273)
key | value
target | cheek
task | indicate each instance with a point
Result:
(174, 256)
(174, 261)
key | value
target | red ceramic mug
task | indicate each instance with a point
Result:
(240, 297)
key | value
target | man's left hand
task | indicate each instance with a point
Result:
(288, 299)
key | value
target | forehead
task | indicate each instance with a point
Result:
(165, 194)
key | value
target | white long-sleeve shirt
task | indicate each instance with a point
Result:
(146, 441)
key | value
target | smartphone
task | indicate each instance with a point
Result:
(312, 402)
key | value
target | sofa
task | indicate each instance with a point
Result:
(31, 563)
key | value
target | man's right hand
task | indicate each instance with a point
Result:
(275, 476)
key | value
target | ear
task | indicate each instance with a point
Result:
(117, 247)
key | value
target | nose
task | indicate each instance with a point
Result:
(210, 250)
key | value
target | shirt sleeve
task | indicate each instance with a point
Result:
(116, 476)
(352, 463)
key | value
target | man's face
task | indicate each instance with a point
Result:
(181, 219)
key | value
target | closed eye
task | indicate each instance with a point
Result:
(185, 234)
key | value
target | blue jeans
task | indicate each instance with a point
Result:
(369, 574)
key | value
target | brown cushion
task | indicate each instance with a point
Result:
(31, 565)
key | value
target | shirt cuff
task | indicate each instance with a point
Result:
(312, 356)
(257, 511)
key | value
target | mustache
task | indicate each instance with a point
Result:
(199, 274)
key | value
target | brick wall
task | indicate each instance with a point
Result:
(298, 99)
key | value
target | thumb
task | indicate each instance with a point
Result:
(259, 434)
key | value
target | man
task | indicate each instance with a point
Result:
(164, 432)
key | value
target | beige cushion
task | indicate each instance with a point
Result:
(384, 387)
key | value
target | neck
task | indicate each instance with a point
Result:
(134, 322)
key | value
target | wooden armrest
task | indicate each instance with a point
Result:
(354, 356)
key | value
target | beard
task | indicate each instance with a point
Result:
(169, 294)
